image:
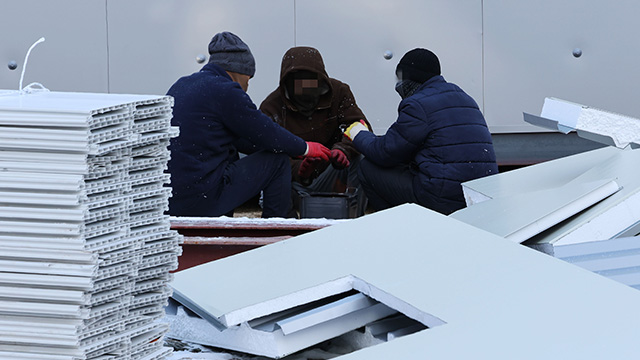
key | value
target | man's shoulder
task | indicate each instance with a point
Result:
(339, 85)
(273, 101)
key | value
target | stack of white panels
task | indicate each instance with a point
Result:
(87, 249)
(584, 209)
(602, 237)
(618, 259)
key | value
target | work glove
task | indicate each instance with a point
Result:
(317, 150)
(353, 129)
(308, 166)
(338, 159)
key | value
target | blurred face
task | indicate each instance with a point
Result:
(305, 87)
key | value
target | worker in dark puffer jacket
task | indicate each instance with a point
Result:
(439, 141)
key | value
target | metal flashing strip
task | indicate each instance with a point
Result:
(590, 123)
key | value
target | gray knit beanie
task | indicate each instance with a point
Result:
(229, 52)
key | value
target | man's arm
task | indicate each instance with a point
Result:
(402, 140)
(250, 124)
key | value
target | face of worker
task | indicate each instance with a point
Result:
(243, 80)
(305, 87)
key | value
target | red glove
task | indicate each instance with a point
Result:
(317, 150)
(339, 159)
(307, 166)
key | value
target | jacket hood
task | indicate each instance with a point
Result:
(303, 58)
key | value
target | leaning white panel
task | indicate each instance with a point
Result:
(538, 177)
(521, 216)
(613, 215)
(607, 219)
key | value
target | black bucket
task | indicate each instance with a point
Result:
(329, 205)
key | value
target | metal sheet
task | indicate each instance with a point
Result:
(486, 289)
(522, 216)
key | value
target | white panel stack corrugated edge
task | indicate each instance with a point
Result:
(87, 249)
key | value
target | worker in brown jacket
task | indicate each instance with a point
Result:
(317, 108)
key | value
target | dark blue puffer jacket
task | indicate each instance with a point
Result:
(214, 115)
(442, 133)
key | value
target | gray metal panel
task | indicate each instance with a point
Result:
(487, 289)
(528, 50)
(153, 43)
(353, 36)
(74, 54)
(531, 148)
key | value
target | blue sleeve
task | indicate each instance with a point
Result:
(401, 142)
(249, 123)
(245, 146)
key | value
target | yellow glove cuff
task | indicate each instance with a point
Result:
(352, 131)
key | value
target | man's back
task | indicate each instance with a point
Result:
(456, 143)
(204, 146)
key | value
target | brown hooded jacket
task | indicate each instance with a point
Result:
(336, 108)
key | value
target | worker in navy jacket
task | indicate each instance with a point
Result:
(217, 120)
(439, 140)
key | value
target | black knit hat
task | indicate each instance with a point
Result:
(229, 52)
(418, 65)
